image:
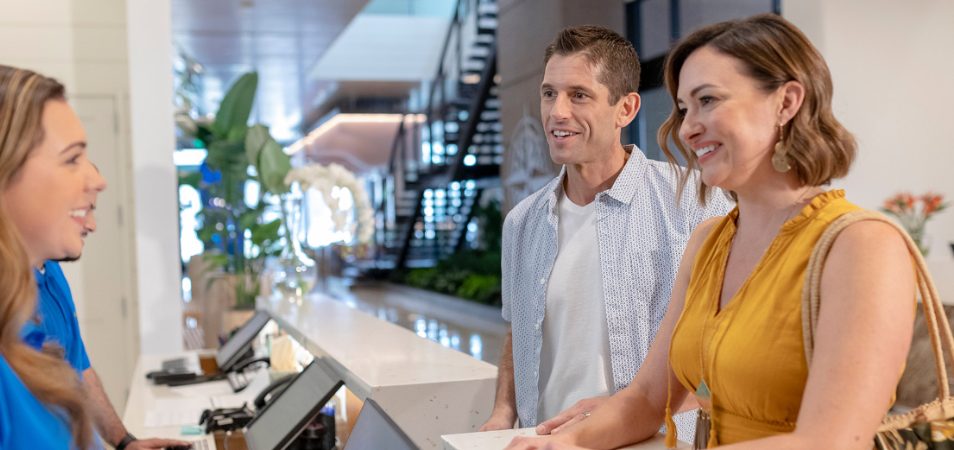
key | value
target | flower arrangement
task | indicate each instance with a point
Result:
(913, 213)
(329, 180)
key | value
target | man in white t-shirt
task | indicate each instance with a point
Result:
(589, 260)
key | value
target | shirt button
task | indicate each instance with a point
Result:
(537, 325)
(543, 280)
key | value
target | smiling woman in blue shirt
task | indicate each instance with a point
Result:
(41, 401)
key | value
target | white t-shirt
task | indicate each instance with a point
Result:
(574, 358)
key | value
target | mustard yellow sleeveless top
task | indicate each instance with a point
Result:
(750, 353)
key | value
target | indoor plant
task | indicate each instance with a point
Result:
(235, 231)
(913, 213)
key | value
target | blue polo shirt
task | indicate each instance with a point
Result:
(25, 423)
(56, 316)
(56, 322)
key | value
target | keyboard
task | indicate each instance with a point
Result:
(205, 444)
(179, 364)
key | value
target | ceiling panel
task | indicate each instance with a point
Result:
(282, 39)
(359, 146)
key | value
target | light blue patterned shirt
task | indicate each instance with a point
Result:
(642, 233)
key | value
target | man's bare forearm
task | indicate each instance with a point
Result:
(505, 401)
(108, 423)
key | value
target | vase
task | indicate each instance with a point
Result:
(298, 269)
(312, 226)
(294, 275)
(923, 241)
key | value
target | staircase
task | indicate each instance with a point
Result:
(447, 150)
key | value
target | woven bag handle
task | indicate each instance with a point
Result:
(938, 327)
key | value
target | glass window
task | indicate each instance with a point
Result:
(697, 13)
(655, 108)
(655, 28)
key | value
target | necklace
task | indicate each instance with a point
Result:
(785, 214)
(705, 433)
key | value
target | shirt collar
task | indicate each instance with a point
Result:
(32, 334)
(623, 189)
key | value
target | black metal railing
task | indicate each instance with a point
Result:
(435, 160)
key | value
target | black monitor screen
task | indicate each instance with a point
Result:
(233, 349)
(375, 430)
(286, 415)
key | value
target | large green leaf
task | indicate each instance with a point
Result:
(273, 166)
(262, 234)
(271, 163)
(227, 156)
(255, 140)
(247, 220)
(232, 118)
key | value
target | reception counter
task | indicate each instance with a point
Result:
(438, 396)
(427, 389)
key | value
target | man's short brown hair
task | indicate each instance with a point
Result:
(611, 54)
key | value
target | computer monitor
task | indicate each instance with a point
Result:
(280, 422)
(231, 352)
(375, 430)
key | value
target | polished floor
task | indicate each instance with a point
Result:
(475, 329)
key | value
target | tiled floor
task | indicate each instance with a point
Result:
(477, 330)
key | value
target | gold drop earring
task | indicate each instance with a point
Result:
(780, 155)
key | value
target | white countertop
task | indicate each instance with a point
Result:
(371, 353)
(497, 440)
(149, 404)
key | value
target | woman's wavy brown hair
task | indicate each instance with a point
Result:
(773, 52)
(23, 95)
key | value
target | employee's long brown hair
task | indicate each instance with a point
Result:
(23, 95)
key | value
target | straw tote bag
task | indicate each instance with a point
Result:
(931, 425)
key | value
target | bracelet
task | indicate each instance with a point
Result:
(127, 439)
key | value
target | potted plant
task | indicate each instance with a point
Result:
(914, 212)
(236, 235)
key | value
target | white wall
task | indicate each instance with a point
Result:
(893, 71)
(84, 47)
(83, 43)
(153, 142)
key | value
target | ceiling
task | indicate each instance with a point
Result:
(282, 39)
(316, 56)
(361, 142)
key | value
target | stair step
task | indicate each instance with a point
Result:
(442, 217)
(487, 23)
(487, 8)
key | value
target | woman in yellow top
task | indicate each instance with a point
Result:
(752, 110)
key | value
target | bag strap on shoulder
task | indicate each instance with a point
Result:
(937, 324)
